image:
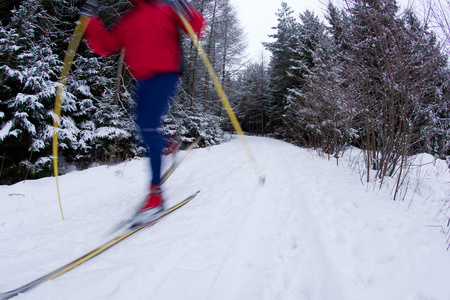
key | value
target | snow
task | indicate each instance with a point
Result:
(313, 231)
(5, 130)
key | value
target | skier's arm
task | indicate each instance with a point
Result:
(100, 40)
(192, 15)
(197, 21)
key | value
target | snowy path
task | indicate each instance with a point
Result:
(311, 232)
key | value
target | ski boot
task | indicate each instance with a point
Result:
(152, 208)
(173, 145)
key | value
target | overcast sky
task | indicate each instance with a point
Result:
(258, 17)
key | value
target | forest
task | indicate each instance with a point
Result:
(368, 76)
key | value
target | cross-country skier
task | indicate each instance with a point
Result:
(149, 35)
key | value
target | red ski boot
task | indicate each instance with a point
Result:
(173, 145)
(152, 208)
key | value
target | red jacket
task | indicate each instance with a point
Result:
(149, 33)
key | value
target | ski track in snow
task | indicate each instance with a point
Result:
(311, 232)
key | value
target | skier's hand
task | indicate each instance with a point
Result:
(89, 9)
(181, 6)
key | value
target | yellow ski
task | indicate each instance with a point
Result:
(69, 266)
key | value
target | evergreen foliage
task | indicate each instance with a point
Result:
(28, 74)
(191, 122)
(97, 118)
(317, 103)
(371, 77)
(252, 99)
(280, 72)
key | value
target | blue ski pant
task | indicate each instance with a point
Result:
(153, 97)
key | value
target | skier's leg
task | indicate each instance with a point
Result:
(153, 96)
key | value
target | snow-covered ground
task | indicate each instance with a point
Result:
(313, 231)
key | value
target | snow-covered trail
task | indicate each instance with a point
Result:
(311, 232)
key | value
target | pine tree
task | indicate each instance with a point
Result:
(191, 122)
(97, 123)
(397, 79)
(280, 64)
(28, 75)
(93, 126)
(317, 112)
(252, 101)
(428, 89)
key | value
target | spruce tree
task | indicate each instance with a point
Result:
(317, 111)
(252, 101)
(28, 74)
(280, 64)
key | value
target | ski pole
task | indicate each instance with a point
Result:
(222, 95)
(70, 54)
